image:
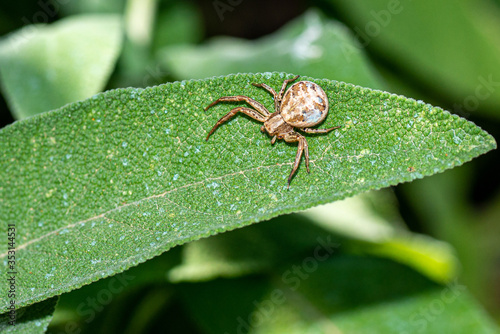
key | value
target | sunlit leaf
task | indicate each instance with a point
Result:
(101, 185)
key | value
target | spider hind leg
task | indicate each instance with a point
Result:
(247, 111)
(302, 148)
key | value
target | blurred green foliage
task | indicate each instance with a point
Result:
(384, 273)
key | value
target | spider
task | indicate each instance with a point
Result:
(303, 105)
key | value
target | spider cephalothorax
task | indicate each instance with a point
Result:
(304, 104)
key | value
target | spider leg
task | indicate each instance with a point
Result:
(250, 112)
(285, 83)
(257, 105)
(303, 147)
(277, 101)
(310, 130)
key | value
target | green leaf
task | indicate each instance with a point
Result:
(44, 67)
(310, 45)
(179, 23)
(103, 184)
(352, 223)
(341, 294)
(422, 40)
(372, 233)
(31, 319)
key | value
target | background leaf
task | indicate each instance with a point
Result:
(44, 67)
(310, 45)
(452, 57)
(114, 180)
(31, 319)
(342, 294)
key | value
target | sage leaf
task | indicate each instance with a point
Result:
(103, 184)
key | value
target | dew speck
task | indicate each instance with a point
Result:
(110, 225)
(159, 173)
(38, 323)
(40, 224)
(124, 144)
(66, 242)
(186, 154)
(32, 289)
(153, 111)
(213, 185)
(121, 238)
(167, 131)
(47, 276)
(51, 158)
(124, 161)
(176, 176)
(95, 261)
(68, 156)
(93, 243)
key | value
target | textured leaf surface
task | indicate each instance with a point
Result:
(104, 184)
(31, 319)
(43, 67)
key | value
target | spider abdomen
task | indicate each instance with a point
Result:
(304, 104)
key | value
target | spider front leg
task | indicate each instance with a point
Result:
(247, 111)
(277, 101)
(283, 87)
(303, 147)
(277, 97)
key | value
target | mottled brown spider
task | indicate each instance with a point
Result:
(304, 104)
